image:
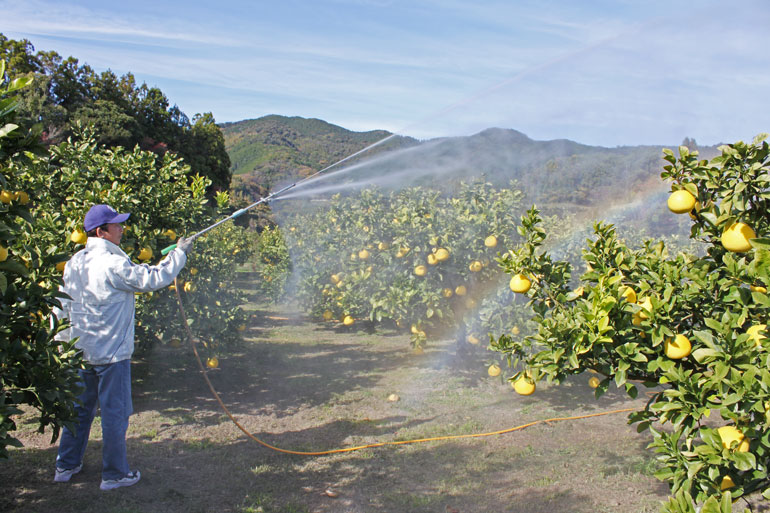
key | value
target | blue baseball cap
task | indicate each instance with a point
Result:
(102, 214)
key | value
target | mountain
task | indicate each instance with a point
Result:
(557, 174)
(275, 149)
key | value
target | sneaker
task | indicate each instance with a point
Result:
(130, 479)
(62, 475)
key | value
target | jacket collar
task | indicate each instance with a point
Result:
(104, 245)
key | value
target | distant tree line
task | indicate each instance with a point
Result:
(66, 93)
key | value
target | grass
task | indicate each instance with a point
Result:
(265, 503)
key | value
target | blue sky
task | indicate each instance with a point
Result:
(598, 72)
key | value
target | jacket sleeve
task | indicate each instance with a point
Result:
(131, 277)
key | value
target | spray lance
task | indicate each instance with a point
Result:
(235, 214)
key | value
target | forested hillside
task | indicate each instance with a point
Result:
(274, 149)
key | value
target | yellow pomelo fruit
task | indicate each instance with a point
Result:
(727, 483)
(420, 270)
(736, 238)
(59, 266)
(730, 434)
(442, 254)
(189, 287)
(145, 254)
(515, 330)
(490, 241)
(494, 370)
(193, 271)
(637, 319)
(677, 348)
(520, 284)
(6, 196)
(3, 253)
(447, 293)
(79, 236)
(432, 260)
(593, 382)
(628, 294)
(646, 305)
(363, 254)
(348, 320)
(327, 315)
(414, 329)
(335, 278)
(170, 234)
(23, 197)
(681, 202)
(524, 386)
(212, 363)
(460, 290)
(382, 246)
(755, 335)
(475, 266)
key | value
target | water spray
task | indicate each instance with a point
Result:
(275, 194)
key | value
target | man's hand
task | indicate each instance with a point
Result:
(185, 244)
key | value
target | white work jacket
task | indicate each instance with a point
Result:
(101, 281)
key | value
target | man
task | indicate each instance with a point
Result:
(101, 281)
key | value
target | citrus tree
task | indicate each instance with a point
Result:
(693, 328)
(271, 263)
(164, 204)
(415, 257)
(35, 370)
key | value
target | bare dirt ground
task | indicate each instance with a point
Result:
(303, 386)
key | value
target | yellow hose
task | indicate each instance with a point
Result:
(190, 338)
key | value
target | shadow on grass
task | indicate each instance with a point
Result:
(195, 476)
(288, 365)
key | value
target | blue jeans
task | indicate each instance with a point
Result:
(111, 385)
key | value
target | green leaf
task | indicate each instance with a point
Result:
(761, 263)
(13, 267)
(711, 505)
(709, 217)
(7, 129)
(744, 460)
(18, 83)
(760, 243)
(705, 337)
(703, 353)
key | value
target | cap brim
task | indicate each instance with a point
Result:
(120, 218)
